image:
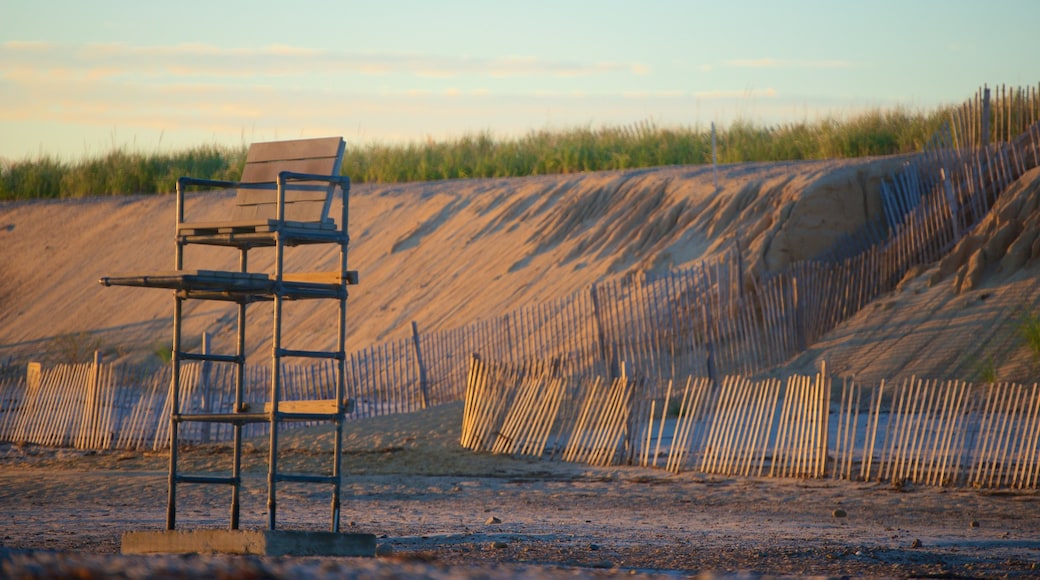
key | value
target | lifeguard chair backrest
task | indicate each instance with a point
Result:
(305, 201)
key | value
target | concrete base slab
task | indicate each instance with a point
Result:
(258, 542)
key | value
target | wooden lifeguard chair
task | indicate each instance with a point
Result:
(283, 199)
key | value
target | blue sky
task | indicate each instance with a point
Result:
(81, 78)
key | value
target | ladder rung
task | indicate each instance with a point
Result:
(305, 408)
(305, 478)
(312, 353)
(308, 416)
(226, 480)
(209, 357)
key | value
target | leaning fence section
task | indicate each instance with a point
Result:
(926, 432)
(99, 405)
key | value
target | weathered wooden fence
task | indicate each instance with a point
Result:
(928, 432)
(88, 406)
(104, 406)
(987, 143)
(992, 115)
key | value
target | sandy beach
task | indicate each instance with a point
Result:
(440, 511)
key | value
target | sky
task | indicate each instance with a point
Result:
(79, 79)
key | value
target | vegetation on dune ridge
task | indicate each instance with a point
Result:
(117, 172)
(644, 144)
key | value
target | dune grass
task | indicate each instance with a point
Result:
(1029, 332)
(117, 172)
(644, 144)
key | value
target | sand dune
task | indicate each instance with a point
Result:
(444, 254)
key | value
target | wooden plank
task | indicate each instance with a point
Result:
(775, 386)
(292, 194)
(267, 172)
(294, 149)
(735, 444)
(688, 411)
(589, 409)
(469, 402)
(780, 443)
(249, 225)
(757, 432)
(524, 393)
(718, 421)
(920, 420)
(939, 418)
(1033, 428)
(1008, 421)
(874, 414)
(1014, 457)
(842, 433)
(796, 428)
(306, 211)
(958, 415)
(547, 416)
(226, 280)
(178, 280)
(317, 406)
(975, 471)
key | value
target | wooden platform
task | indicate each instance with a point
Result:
(229, 285)
(248, 226)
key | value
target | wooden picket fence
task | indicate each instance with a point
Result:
(104, 406)
(941, 433)
(737, 427)
(927, 432)
(991, 115)
(86, 406)
(985, 145)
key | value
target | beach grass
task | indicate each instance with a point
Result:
(1029, 332)
(540, 152)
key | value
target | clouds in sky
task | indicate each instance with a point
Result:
(96, 61)
(775, 63)
(200, 92)
(224, 91)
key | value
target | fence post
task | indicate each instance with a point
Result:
(88, 431)
(510, 352)
(951, 201)
(740, 268)
(33, 377)
(798, 307)
(985, 117)
(714, 158)
(423, 383)
(18, 424)
(711, 361)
